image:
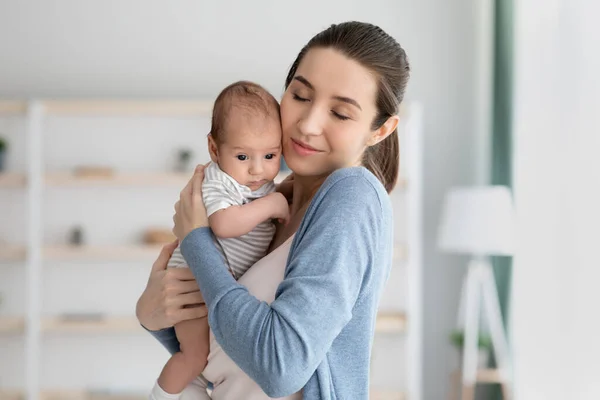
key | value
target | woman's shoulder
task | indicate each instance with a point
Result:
(353, 182)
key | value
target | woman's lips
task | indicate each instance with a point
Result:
(303, 149)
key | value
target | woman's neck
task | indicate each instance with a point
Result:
(305, 188)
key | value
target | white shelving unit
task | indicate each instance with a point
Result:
(395, 324)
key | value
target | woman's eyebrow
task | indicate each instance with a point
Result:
(349, 101)
(309, 85)
(303, 80)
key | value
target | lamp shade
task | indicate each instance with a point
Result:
(479, 221)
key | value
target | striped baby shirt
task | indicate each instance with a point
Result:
(219, 191)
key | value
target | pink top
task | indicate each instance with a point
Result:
(230, 382)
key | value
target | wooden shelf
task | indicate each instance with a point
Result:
(71, 394)
(10, 252)
(102, 253)
(8, 107)
(69, 179)
(158, 108)
(486, 375)
(386, 395)
(84, 253)
(97, 326)
(390, 322)
(489, 375)
(12, 180)
(11, 325)
(11, 395)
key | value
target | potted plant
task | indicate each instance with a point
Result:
(3, 147)
(457, 338)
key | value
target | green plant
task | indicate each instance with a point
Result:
(3, 144)
(457, 338)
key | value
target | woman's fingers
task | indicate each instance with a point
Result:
(187, 190)
(192, 313)
(186, 287)
(188, 299)
(164, 256)
(197, 182)
(182, 274)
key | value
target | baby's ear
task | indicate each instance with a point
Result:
(213, 149)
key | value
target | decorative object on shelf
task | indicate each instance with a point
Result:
(484, 345)
(480, 221)
(184, 156)
(158, 236)
(81, 317)
(90, 171)
(76, 236)
(3, 152)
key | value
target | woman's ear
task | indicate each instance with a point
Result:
(213, 149)
(384, 131)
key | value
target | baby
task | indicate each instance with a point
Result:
(241, 201)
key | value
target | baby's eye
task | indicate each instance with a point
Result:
(242, 157)
(270, 156)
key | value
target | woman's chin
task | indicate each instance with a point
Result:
(307, 168)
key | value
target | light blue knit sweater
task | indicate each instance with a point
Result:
(318, 332)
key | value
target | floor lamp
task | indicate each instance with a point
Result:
(480, 222)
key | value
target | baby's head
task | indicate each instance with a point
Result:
(245, 137)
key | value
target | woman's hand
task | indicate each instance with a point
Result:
(168, 294)
(190, 212)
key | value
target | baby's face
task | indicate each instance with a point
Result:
(250, 151)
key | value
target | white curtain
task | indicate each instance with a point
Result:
(556, 280)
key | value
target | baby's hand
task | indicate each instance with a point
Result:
(280, 207)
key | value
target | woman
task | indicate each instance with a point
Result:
(300, 322)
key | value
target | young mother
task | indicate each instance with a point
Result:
(300, 322)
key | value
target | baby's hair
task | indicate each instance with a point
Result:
(247, 97)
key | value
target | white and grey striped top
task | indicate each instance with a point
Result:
(220, 191)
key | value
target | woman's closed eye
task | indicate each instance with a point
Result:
(298, 98)
(339, 116)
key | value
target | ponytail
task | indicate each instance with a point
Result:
(383, 160)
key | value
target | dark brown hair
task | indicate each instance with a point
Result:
(370, 46)
(247, 96)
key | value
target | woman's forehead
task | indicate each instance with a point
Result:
(330, 72)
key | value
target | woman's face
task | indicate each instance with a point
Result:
(326, 113)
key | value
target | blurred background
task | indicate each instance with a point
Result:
(104, 108)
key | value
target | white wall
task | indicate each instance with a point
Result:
(557, 188)
(189, 48)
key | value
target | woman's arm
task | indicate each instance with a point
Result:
(167, 338)
(280, 345)
(165, 299)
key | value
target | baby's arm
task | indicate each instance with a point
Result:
(236, 221)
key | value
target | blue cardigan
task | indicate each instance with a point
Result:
(318, 331)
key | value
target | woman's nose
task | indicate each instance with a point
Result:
(311, 123)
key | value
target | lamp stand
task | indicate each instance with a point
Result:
(480, 289)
